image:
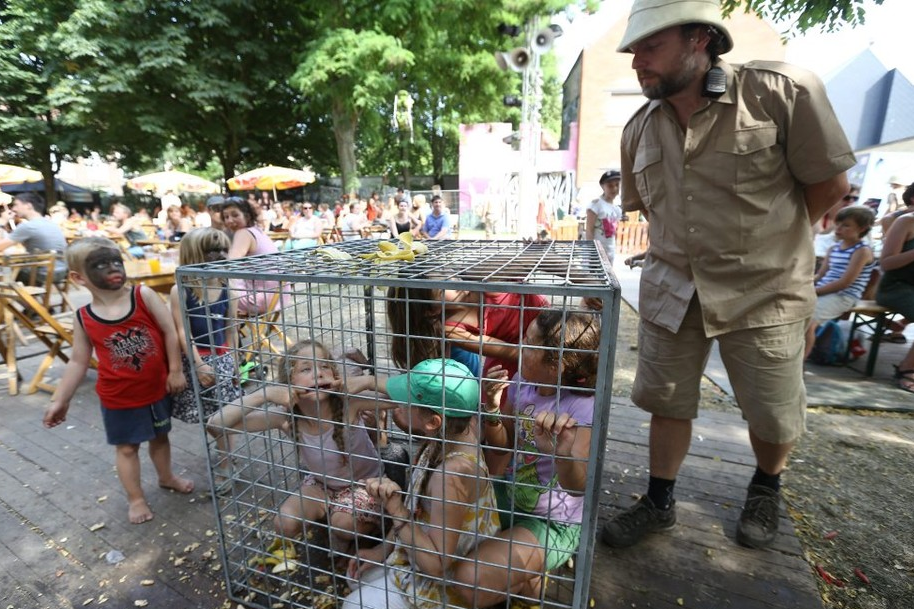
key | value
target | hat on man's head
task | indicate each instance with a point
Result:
(897, 179)
(215, 201)
(444, 385)
(609, 176)
(651, 16)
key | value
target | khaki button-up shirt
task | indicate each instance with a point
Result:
(725, 199)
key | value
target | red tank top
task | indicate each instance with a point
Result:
(132, 361)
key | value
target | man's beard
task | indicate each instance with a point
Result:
(669, 85)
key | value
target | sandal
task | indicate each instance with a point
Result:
(904, 379)
(892, 337)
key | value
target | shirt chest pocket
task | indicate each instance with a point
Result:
(752, 157)
(648, 172)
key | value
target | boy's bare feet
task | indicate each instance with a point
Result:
(138, 511)
(181, 485)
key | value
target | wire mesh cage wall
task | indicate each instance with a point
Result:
(333, 487)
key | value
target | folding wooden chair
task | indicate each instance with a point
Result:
(34, 271)
(23, 307)
(262, 329)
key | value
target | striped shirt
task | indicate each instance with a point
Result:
(838, 259)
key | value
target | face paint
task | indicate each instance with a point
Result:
(105, 269)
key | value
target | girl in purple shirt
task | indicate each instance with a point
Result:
(546, 423)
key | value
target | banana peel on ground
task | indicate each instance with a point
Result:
(406, 250)
(280, 558)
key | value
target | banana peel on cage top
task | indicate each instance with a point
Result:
(406, 250)
(334, 253)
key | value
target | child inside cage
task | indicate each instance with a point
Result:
(550, 402)
(472, 324)
(333, 444)
(139, 365)
(468, 325)
(450, 504)
(207, 305)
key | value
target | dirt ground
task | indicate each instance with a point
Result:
(849, 490)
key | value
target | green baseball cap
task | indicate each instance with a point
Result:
(444, 385)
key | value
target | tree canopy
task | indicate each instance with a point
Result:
(805, 15)
(226, 85)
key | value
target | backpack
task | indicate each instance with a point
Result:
(830, 345)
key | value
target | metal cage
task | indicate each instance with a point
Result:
(343, 298)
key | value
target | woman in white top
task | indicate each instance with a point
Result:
(603, 215)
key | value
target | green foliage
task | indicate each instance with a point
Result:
(207, 77)
(805, 15)
(34, 130)
(224, 85)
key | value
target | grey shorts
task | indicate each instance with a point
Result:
(765, 367)
(137, 425)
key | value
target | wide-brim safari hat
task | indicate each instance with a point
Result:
(651, 16)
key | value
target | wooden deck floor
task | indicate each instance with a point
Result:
(62, 510)
(698, 563)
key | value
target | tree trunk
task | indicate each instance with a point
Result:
(404, 159)
(345, 124)
(47, 170)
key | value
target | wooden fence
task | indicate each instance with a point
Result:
(631, 236)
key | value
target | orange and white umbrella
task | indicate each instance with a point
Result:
(178, 181)
(271, 177)
(11, 174)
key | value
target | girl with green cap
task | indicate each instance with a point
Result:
(450, 504)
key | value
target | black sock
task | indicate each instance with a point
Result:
(660, 492)
(762, 479)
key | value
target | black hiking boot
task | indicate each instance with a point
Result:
(758, 523)
(629, 527)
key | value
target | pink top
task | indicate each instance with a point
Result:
(256, 295)
(324, 460)
(264, 245)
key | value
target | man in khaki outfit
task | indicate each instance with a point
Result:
(730, 166)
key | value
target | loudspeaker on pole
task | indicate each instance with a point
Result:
(543, 40)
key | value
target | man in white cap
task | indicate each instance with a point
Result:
(730, 165)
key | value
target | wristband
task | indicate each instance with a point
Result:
(493, 417)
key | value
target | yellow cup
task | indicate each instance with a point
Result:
(155, 266)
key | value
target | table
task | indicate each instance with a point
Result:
(160, 244)
(138, 271)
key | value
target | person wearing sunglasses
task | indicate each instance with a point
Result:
(824, 229)
(305, 230)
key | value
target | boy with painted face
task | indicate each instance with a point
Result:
(139, 365)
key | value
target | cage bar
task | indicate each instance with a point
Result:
(343, 298)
